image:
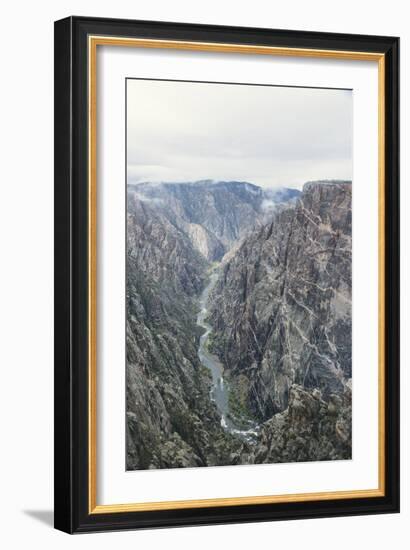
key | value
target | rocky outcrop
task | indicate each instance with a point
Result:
(281, 310)
(310, 428)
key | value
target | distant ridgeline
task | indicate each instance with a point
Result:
(212, 215)
(280, 313)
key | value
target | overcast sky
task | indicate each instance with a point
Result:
(271, 136)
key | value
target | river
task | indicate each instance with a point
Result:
(219, 389)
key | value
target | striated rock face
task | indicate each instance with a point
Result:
(281, 310)
(213, 215)
(204, 241)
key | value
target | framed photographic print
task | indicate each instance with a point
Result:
(226, 274)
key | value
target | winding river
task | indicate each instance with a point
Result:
(219, 389)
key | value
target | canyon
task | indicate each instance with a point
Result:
(238, 324)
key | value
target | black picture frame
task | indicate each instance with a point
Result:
(72, 513)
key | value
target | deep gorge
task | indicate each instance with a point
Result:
(278, 316)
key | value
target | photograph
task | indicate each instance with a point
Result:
(238, 274)
(205, 275)
(227, 293)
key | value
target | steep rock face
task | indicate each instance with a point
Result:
(213, 214)
(281, 310)
(160, 249)
(310, 428)
(171, 421)
(204, 241)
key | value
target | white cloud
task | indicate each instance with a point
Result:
(271, 136)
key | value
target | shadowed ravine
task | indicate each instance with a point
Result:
(220, 389)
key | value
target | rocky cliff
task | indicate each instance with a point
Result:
(171, 421)
(310, 428)
(281, 310)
